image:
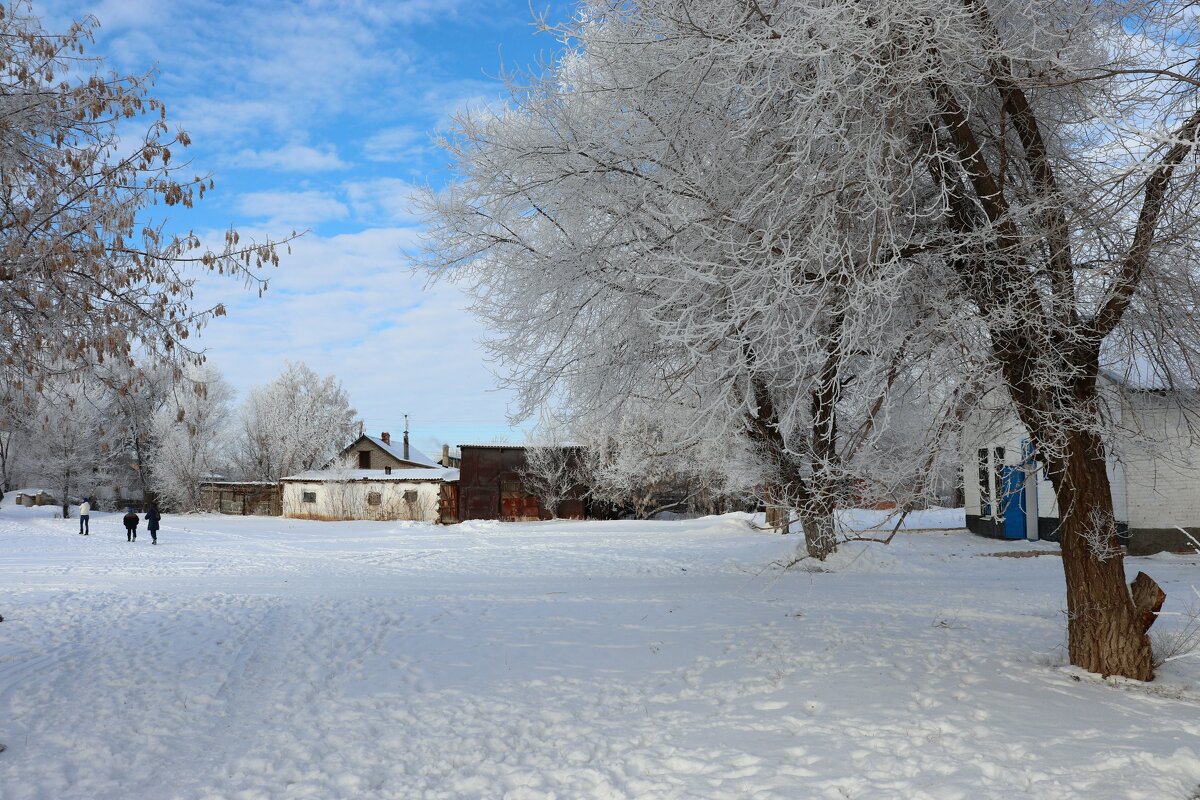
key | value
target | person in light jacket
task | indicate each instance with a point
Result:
(85, 510)
(131, 522)
(152, 518)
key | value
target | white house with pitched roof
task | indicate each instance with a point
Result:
(373, 478)
(376, 494)
(377, 452)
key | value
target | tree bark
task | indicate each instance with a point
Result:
(777, 516)
(1148, 599)
(792, 488)
(820, 536)
(1104, 632)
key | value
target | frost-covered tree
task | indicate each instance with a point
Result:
(624, 248)
(1043, 148)
(299, 421)
(72, 442)
(191, 434)
(752, 197)
(18, 422)
(136, 394)
(88, 274)
(647, 461)
(551, 472)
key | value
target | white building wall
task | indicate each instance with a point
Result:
(1115, 409)
(337, 500)
(1161, 465)
(1047, 501)
(992, 424)
(1153, 464)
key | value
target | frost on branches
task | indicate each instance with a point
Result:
(769, 207)
(190, 434)
(297, 422)
(88, 275)
(551, 473)
(625, 250)
(73, 439)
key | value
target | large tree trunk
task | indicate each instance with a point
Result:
(1103, 630)
(820, 535)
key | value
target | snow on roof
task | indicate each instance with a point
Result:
(330, 475)
(1136, 374)
(523, 446)
(224, 482)
(29, 491)
(1133, 369)
(415, 456)
(495, 446)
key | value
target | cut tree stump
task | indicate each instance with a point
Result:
(1148, 598)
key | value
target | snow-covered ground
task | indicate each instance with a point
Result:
(268, 658)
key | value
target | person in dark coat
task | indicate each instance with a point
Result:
(152, 518)
(131, 522)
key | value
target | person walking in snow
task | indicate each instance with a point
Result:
(85, 510)
(152, 518)
(131, 522)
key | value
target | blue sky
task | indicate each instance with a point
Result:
(320, 116)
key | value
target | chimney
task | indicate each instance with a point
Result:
(387, 470)
(387, 437)
(406, 445)
(445, 455)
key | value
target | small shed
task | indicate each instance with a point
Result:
(490, 486)
(35, 497)
(369, 494)
(247, 498)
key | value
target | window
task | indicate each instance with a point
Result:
(410, 497)
(985, 484)
(308, 497)
(364, 459)
(374, 498)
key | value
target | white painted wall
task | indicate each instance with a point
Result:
(1161, 464)
(349, 500)
(1153, 465)
(991, 424)
(994, 424)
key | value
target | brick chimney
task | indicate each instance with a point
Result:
(387, 437)
(445, 455)
(406, 445)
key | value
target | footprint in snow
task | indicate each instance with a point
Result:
(770, 705)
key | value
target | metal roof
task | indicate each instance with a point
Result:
(341, 475)
(494, 446)
(415, 456)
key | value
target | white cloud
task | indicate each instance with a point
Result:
(292, 158)
(348, 305)
(291, 210)
(382, 201)
(293, 106)
(397, 144)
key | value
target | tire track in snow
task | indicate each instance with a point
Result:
(21, 671)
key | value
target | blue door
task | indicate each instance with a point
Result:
(1012, 479)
